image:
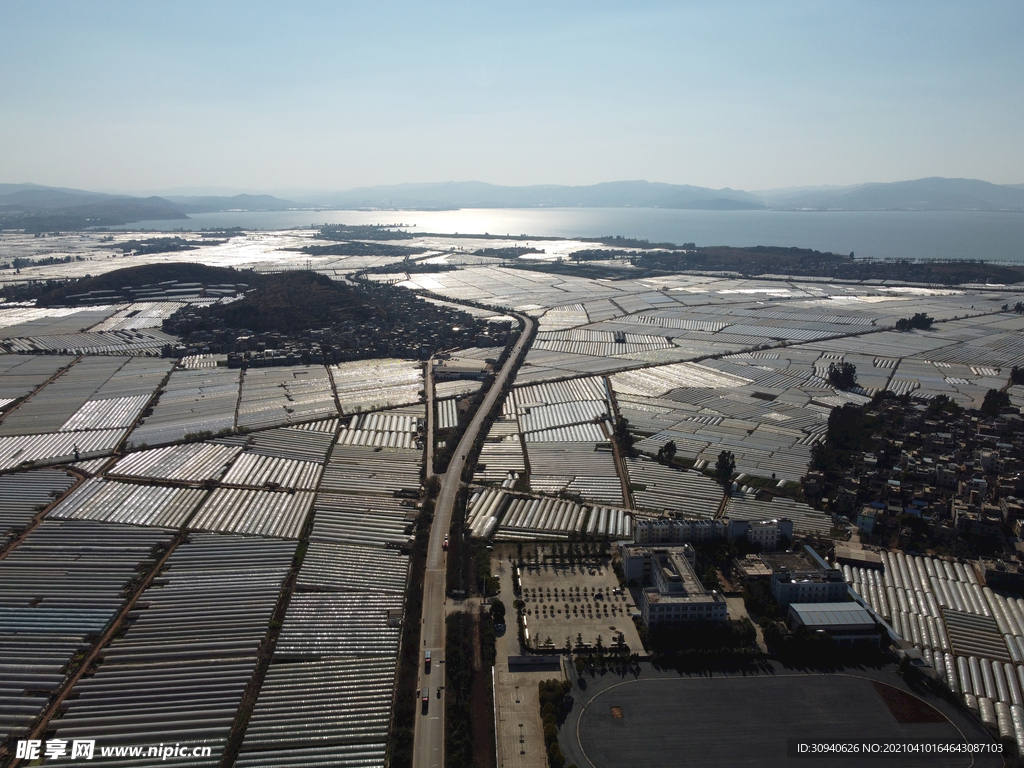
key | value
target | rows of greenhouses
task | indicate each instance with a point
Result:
(115, 413)
(274, 396)
(456, 388)
(143, 314)
(571, 391)
(241, 502)
(731, 315)
(337, 647)
(340, 624)
(60, 588)
(501, 460)
(368, 520)
(229, 569)
(611, 522)
(361, 496)
(386, 421)
(657, 488)
(339, 639)
(971, 635)
(351, 567)
(194, 362)
(259, 513)
(447, 414)
(367, 385)
(378, 438)
(575, 433)
(560, 431)
(767, 408)
(147, 341)
(603, 349)
(75, 409)
(192, 402)
(534, 418)
(297, 442)
(364, 470)
(84, 410)
(27, 450)
(26, 321)
(90, 467)
(190, 462)
(395, 428)
(502, 455)
(960, 359)
(110, 501)
(324, 426)
(253, 470)
(585, 469)
(504, 516)
(807, 521)
(348, 727)
(193, 640)
(21, 374)
(24, 495)
(86, 328)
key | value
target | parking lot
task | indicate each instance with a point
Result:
(568, 601)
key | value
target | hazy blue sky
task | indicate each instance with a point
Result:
(331, 95)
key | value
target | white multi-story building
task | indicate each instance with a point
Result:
(764, 533)
(797, 579)
(676, 596)
(636, 560)
(664, 530)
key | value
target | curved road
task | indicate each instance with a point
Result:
(428, 745)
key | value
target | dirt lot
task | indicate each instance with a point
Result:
(567, 601)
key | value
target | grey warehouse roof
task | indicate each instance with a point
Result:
(832, 615)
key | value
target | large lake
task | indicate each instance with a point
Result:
(877, 234)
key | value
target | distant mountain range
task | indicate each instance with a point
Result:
(213, 203)
(476, 194)
(40, 208)
(46, 209)
(933, 194)
(33, 197)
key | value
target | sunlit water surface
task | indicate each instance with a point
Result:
(875, 234)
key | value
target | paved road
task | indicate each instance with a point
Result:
(428, 748)
(428, 385)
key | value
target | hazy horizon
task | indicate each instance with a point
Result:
(296, 192)
(284, 193)
(324, 97)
